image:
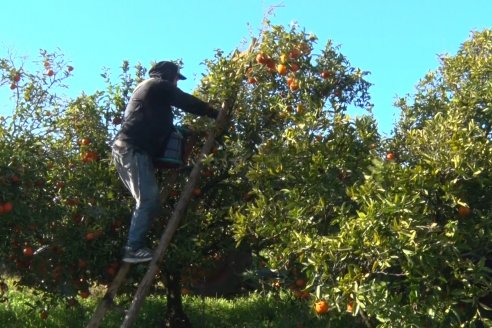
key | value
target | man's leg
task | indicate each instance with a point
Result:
(137, 173)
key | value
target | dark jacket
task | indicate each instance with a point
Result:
(148, 119)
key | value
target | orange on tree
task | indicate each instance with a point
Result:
(390, 156)
(295, 53)
(281, 69)
(90, 236)
(350, 306)
(50, 72)
(294, 67)
(325, 75)
(84, 293)
(464, 211)
(321, 307)
(294, 85)
(7, 207)
(28, 251)
(262, 58)
(85, 141)
(252, 80)
(290, 79)
(301, 283)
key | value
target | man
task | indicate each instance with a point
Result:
(147, 124)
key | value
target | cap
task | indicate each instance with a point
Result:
(166, 70)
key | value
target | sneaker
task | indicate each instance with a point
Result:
(137, 256)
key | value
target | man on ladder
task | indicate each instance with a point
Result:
(147, 125)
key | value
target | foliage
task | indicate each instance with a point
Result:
(418, 251)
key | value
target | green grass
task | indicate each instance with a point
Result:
(254, 310)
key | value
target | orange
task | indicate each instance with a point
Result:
(85, 141)
(295, 53)
(28, 251)
(294, 85)
(252, 80)
(321, 307)
(90, 236)
(282, 69)
(464, 211)
(7, 207)
(85, 293)
(390, 156)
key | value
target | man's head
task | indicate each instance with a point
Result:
(166, 70)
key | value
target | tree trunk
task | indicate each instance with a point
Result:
(175, 316)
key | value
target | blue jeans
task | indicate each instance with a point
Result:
(137, 173)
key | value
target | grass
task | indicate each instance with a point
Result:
(255, 310)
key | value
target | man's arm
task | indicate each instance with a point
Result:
(192, 104)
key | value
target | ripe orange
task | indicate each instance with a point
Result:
(295, 53)
(84, 293)
(28, 251)
(13, 86)
(290, 79)
(69, 68)
(7, 207)
(390, 156)
(321, 307)
(464, 211)
(252, 80)
(294, 67)
(261, 58)
(350, 306)
(325, 74)
(85, 141)
(282, 69)
(90, 236)
(301, 283)
(294, 86)
(50, 72)
(89, 156)
(17, 78)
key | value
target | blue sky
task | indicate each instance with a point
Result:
(397, 41)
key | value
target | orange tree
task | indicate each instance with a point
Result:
(285, 160)
(417, 253)
(282, 166)
(67, 211)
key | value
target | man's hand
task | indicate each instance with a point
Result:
(212, 112)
